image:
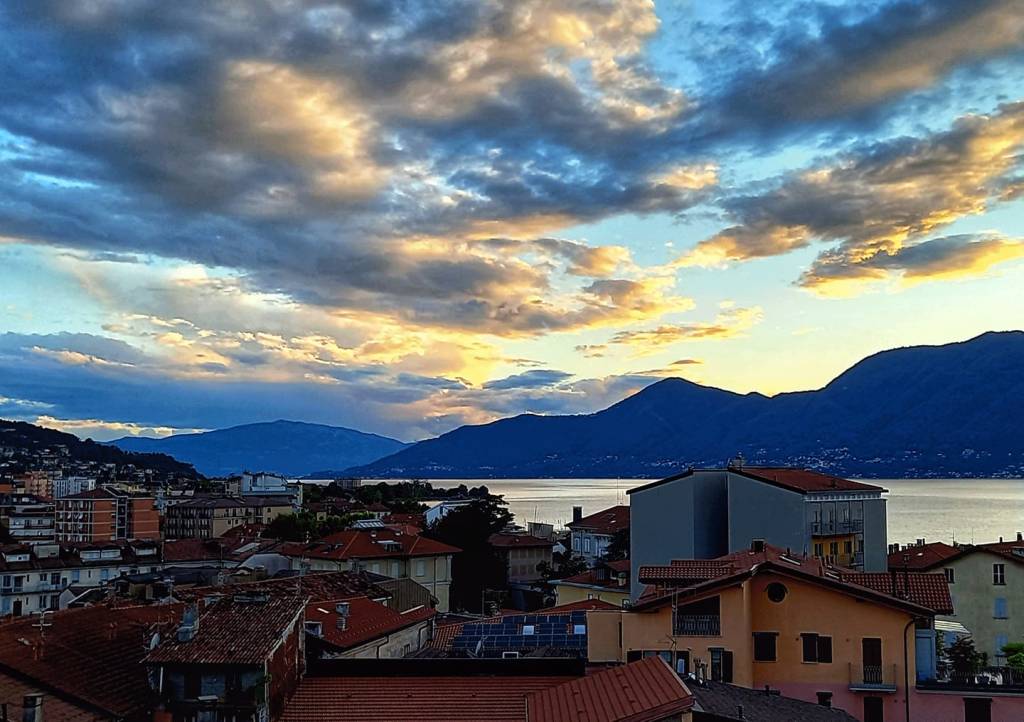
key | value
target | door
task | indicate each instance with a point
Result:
(871, 654)
(16, 609)
(874, 710)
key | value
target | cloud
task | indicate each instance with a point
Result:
(536, 378)
(879, 197)
(950, 257)
(730, 322)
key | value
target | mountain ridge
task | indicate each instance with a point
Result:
(913, 411)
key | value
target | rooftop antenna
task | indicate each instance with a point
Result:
(43, 624)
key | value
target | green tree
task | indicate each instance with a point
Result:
(562, 566)
(964, 658)
(478, 566)
(618, 547)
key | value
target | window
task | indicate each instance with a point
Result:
(999, 574)
(575, 543)
(833, 549)
(847, 547)
(764, 646)
(977, 709)
(819, 549)
(874, 710)
(586, 545)
(579, 629)
(528, 630)
(421, 568)
(817, 648)
(1001, 641)
(950, 575)
(721, 665)
(999, 610)
(76, 574)
(777, 592)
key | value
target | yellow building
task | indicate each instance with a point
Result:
(607, 582)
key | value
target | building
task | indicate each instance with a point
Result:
(360, 627)
(521, 554)
(986, 583)
(607, 581)
(106, 514)
(28, 519)
(71, 485)
(442, 509)
(380, 551)
(48, 576)
(763, 616)
(204, 517)
(262, 483)
(238, 658)
(705, 513)
(592, 534)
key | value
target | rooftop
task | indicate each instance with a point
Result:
(506, 540)
(317, 586)
(921, 556)
(240, 629)
(643, 691)
(607, 521)
(368, 544)
(606, 574)
(804, 481)
(731, 702)
(366, 620)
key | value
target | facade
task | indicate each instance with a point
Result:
(606, 582)
(380, 551)
(705, 513)
(764, 617)
(29, 519)
(521, 554)
(71, 485)
(986, 583)
(440, 510)
(106, 514)
(359, 627)
(213, 516)
(48, 576)
(592, 534)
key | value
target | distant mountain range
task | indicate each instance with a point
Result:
(28, 439)
(291, 448)
(924, 411)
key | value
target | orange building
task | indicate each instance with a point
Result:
(766, 617)
(104, 515)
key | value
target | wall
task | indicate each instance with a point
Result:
(393, 646)
(567, 593)
(876, 544)
(949, 706)
(758, 510)
(974, 597)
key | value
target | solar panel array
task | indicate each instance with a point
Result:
(506, 635)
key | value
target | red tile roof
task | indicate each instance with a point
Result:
(521, 541)
(607, 521)
(367, 620)
(604, 575)
(234, 631)
(318, 586)
(13, 691)
(927, 590)
(414, 699)
(368, 544)
(643, 691)
(686, 569)
(587, 605)
(923, 556)
(803, 480)
(91, 654)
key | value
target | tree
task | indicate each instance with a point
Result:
(618, 547)
(965, 660)
(478, 566)
(563, 565)
(305, 526)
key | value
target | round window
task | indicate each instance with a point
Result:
(777, 592)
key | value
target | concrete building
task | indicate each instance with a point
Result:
(380, 551)
(106, 514)
(522, 553)
(29, 519)
(592, 534)
(986, 583)
(71, 485)
(206, 517)
(705, 513)
(606, 582)
(437, 512)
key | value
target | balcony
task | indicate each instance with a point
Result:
(837, 528)
(697, 625)
(989, 680)
(872, 678)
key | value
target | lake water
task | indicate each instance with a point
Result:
(978, 510)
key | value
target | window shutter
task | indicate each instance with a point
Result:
(726, 666)
(810, 647)
(824, 649)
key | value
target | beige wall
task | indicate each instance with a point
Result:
(567, 593)
(433, 572)
(974, 597)
(394, 646)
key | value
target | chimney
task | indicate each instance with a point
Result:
(1020, 536)
(342, 608)
(825, 699)
(189, 624)
(757, 546)
(32, 708)
(577, 513)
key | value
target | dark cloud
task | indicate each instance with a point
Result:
(535, 378)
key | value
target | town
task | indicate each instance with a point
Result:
(741, 592)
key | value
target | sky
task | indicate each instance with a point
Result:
(403, 217)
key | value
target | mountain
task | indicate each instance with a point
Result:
(924, 411)
(24, 442)
(291, 448)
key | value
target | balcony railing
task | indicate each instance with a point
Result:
(830, 528)
(697, 625)
(876, 678)
(1004, 679)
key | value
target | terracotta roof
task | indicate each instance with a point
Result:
(587, 605)
(414, 699)
(13, 691)
(923, 556)
(522, 541)
(803, 480)
(927, 590)
(607, 521)
(643, 691)
(234, 630)
(366, 620)
(729, 701)
(368, 544)
(688, 569)
(604, 575)
(419, 520)
(91, 654)
(317, 586)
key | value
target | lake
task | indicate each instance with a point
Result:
(969, 510)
